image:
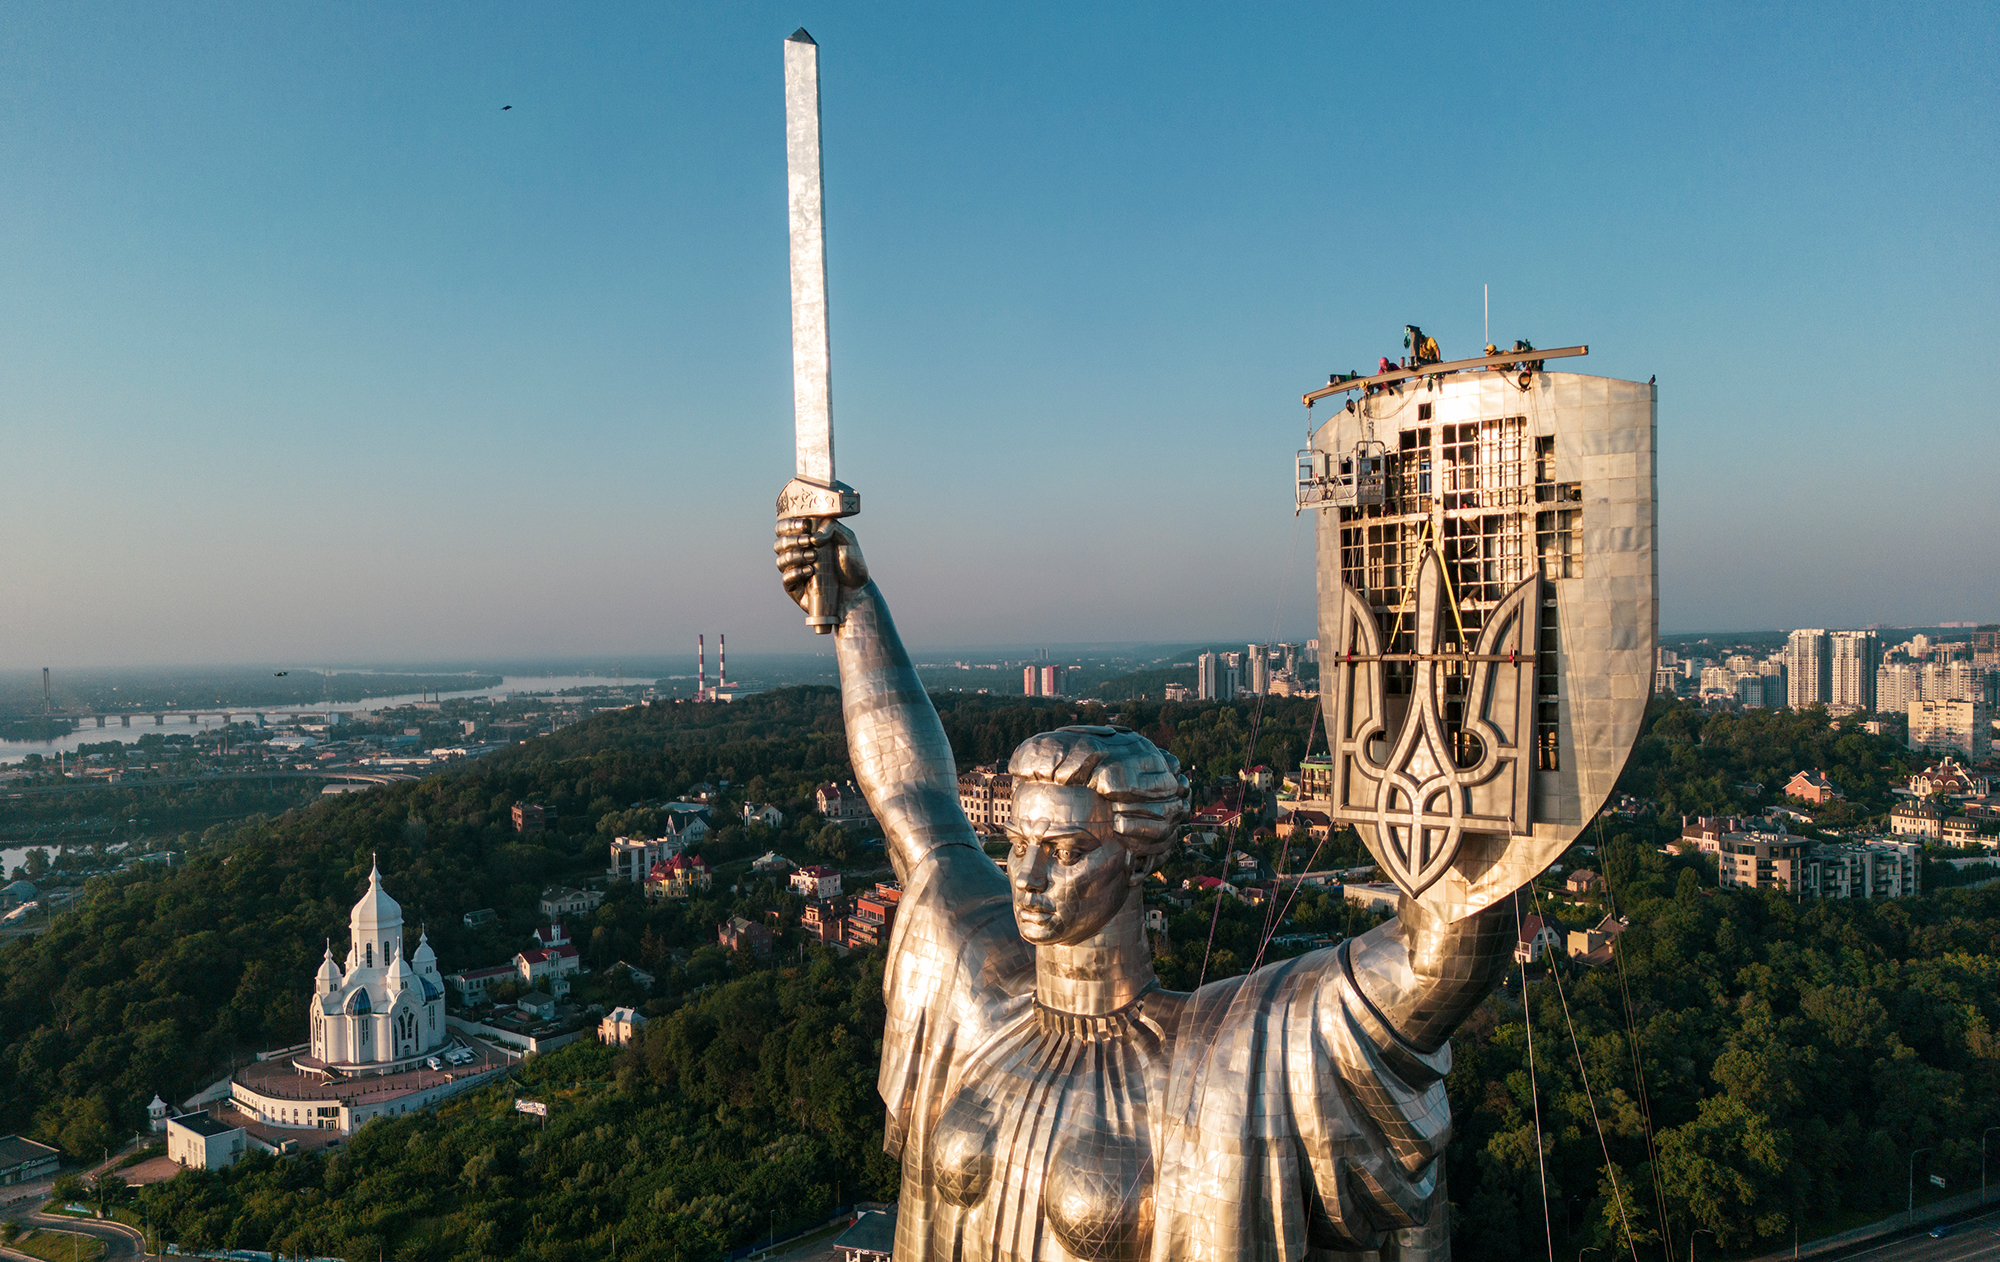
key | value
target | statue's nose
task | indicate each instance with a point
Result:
(1033, 871)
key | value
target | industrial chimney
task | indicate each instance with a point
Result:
(701, 668)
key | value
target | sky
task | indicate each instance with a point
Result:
(310, 350)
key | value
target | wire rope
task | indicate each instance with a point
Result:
(1639, 1069)
(1535, 1095)
(1583, 1073)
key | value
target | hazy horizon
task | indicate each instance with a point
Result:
(315, 352)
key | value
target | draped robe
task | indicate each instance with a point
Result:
(1268, 1116)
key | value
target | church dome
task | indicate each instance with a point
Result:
(329, 972)
(377, 916)
(424, 958)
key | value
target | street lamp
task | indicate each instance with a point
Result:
(1910, 1210)
(1699, 1231)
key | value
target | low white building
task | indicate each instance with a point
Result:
(816, 882)
(200, 1142)
(620, 1026)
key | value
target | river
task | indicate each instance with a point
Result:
(113, 730)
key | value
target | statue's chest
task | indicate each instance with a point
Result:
(1046, 1129)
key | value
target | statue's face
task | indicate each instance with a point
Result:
(1069, 872)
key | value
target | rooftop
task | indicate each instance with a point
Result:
(14, 1150)
(203, 1124)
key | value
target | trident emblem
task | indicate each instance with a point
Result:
(1416, 779)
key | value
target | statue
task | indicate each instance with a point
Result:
(1046, 1097)
(1487, 595)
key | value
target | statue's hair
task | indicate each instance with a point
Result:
(1144, 784)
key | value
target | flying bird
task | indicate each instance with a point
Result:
(506, 107)
(281, 672)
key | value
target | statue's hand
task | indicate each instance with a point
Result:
(798, 547)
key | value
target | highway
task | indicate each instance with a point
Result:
(1971, 1240)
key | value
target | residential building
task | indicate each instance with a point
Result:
(551, 935)
(1810, 667)
(816, 882)
(1763, 861)
(986, 794)
(1316, 825)
(763, 813)
(620, 1026)
(1855, 657)
(1218, 676)
(1959, 830)
(1920, 818)
(562, 901)
(474, 984)
(874, 916)
(1955, 725)
(24, 1160)
(1315, 778)
(744, 935)
(480, 919)
(1949, 778)
(1874, 869)
(529, 818)
(632, 858)
(1986, 646)
(537, 1004)
(1897, 685)
(1594, 946)
(1812, 786)
(843, 804)
(1259, 777)
(1179, 692)
(1257, 663)
(200, 1141)
(548, 967)
(1584, 881)
(824, 922)
(771, 863)
(679, 876)
(1667, 681)
(1537, 937)
(1042, 681)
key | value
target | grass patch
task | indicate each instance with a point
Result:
(60, 1246)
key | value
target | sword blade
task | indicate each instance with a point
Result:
(812, 385)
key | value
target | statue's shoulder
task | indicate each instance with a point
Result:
(955, 933)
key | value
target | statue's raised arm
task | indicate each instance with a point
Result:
(901, 758)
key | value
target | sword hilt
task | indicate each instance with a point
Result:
(821, 503)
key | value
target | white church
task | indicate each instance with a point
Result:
(382, 1013)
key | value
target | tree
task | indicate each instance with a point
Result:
(829, 843)
(68, 1187)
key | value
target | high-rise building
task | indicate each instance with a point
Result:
(1855, 656)
(1897, 684)
(1810, 669)
(1257, 663)
(1232, 675)
(1960, 725)
(1986, 645)
(1207, 676)
(1030, 682)
(1052, 681)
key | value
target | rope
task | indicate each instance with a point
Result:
(1584, 1074)
(1535, 1095)
(1639, 1070)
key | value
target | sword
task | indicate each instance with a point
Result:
(813, 493)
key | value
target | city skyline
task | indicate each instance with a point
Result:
(316, 352)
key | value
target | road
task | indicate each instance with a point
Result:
(119, 1240)
(1974, 1239)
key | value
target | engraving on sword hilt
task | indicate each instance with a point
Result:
(805, 498)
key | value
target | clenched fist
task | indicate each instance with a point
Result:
(800, 548)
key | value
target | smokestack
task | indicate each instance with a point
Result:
(721, 659)
(701, 667)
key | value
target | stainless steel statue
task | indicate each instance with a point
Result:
(1047, 1099)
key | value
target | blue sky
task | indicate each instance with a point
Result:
(310, 350)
